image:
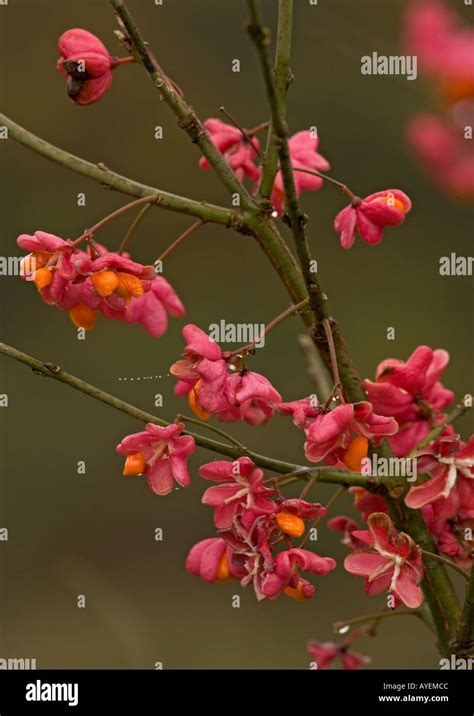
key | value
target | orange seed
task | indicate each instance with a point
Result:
(42, 278)
(223, 569)
(82, 316)
(290, 524)
(193, 396)
(355, 453)
(295, 593)
(105, 282)
(134, 464)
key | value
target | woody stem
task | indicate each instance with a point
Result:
(437, 587)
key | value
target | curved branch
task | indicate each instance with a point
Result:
(101, 173)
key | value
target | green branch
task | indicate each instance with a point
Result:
(282, 79)
(297, 220)
(100, 173)
(50, 370)
(437, 587)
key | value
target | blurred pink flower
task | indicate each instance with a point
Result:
(447, 157)
(324, 653)
(346, 525)
(443, 46)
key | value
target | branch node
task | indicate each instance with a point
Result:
(53, 368)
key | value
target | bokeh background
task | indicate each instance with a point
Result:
(93, 534)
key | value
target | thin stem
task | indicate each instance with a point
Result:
(259, 128)
(377, 616)
(306, 488)
(245, 135)
(180, 239)
(108, 178)
(113, 215)
(123, 60)
(339, 184)
(335, 392)
(212, 428)
(249, 347)
(447, 562)
(133, 227)
(315, 522)
(50, 370)
(341, 477)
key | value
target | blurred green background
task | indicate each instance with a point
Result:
(93, 534)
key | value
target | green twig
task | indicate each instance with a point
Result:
(104, 175)
(282, 80)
